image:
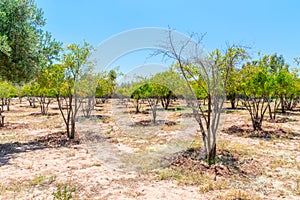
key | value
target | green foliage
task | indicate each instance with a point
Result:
(150, 90)
(37, 180)
(257, 82)
(163, 86)
(70, 80)
(171, 82)
(7, 90)
(198, 90)
(24, 47)
(265, 79)
(268, 76)
(106, 84)
(123, 90)
(64, 192)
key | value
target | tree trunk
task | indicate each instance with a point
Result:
(68, 130)
(257, 125)
(232, 99)
(72, 135)
(270, 112)
(168, 100)
(232, 102)
(211, 157)
(282, 104)
(7, 104)
(137, 107)
(2, 105)
(65, 118)
(1, 118)
(162, 102)
(154, 114)
(30, 102)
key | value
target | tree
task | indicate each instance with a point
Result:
(233, 87)
(24, 46)
(153, 92)
(28, 91)
(137, 93)
(169, 83)
(287, 89)
(43, 90)
(211, 74)
(106, 85)
(86, 89)
(236, 57)
(74, 59)
(266, 84)
(258, 87)
(7, 91)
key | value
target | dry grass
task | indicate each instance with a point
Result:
(259, 167)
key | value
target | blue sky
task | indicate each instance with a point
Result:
(270, 26)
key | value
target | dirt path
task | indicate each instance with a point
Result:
(124, 144)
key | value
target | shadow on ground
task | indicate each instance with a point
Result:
(269, 133)
(227, 163)
(11, 149)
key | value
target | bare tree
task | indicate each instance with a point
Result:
(210, 72)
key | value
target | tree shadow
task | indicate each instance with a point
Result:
(150, 123)
(234, 109)
(53, 140)
(103, 118)
(187, 115)
(40, 114)
(9, 150)
(294, 112)
(281, 120)
(228, 163)
(269, 133)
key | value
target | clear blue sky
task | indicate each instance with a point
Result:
(266, 25)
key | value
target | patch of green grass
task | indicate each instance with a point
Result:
(206, 183)
(109, 132)
(64, 191)
(37, 180)
(52, 179)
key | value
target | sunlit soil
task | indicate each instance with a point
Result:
(119, 154)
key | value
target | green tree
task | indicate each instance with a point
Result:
(7, 91)
(137, 94)
(66, 78)
(235, 58)
(86, 89)
(106, 85)
(27, 90)
(153, 92)
(43, 91)
(258, 88)
(24, 46)
(168, 84)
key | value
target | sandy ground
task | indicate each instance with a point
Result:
(116, 157)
